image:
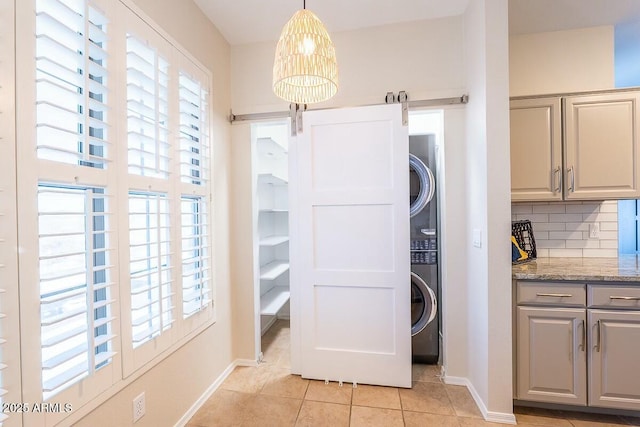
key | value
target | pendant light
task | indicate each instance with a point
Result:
(305, 69)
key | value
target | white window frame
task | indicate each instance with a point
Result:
(10, 375)
(128, 364)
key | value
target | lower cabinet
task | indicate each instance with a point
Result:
(614, 359)
(552, 363)
(587, 355)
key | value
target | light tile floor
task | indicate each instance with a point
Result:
(268, 395)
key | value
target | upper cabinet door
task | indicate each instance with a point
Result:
(601, 146)
(536, 149)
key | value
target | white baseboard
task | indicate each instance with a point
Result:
(268, 325)
(211, 389)
(495, 417)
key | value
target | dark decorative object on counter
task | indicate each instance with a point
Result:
(522, 233)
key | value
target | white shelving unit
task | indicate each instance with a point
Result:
(272, 238)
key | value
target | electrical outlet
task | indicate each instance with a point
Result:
(138, 407)
(594, 230)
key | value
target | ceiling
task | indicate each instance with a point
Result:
(250, 21)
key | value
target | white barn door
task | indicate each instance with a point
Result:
(350, 267)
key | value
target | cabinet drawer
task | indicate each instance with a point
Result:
(614, 296)
(551, 293)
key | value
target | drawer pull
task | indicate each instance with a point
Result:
(542, 294)
(625, 298)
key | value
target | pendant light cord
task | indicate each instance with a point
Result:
(304, 4)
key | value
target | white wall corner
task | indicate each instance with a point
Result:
(491, 416)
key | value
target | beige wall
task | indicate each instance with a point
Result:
(488, 287)
(561, 61)
(422, 58)
(172, 386)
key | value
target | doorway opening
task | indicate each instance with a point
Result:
(271, 238)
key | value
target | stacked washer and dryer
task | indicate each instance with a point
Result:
(424, 250)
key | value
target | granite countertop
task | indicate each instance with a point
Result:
(625, 268)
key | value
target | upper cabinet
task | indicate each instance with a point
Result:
(536, 149)
(591, 154)
(601, 146)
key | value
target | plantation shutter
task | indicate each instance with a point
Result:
(75, 282)
(147, 105)
(74, 224)
(195, 158)
(150, 266)
(5, 249)
(71, 83)
(196, 270)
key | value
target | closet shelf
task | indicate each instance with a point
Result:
(274, 210)
(270, 178)
(268, 147)
(273, 240)
(274, 300)
(273, 270)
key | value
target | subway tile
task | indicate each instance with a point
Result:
(609, 206)
(550, 208)
(584, 208)
(566, 253)
(541, 235)
(600, 253)
(565, 235)
(609, 244)
(608, 226)
(565, 217)
(542, 252)
(600, 217)
(547, 226)
(608, 235)
(581, 244)
(534, 217)
(576, 226)
(550, 244)
(517, 208)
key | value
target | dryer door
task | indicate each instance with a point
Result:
(424, 305)
(422, 185)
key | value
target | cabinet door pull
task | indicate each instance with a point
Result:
(557, 177)
(571, 174)
(584, 336)
(625, 298)
(543, 294)
(599, 330)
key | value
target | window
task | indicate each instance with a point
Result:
(148, 110)
(150, 266)
(196, 282)
(628, 227)
(71, 83)
(115, 238)
(75, 281)
(194, 177)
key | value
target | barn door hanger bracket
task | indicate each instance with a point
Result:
(402, 98)
(295, 112)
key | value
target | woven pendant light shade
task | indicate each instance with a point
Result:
(305, 69)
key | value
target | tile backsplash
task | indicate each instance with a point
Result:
(561, 229)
